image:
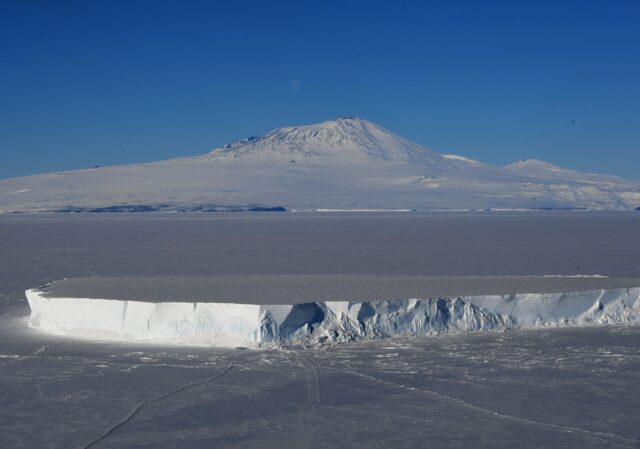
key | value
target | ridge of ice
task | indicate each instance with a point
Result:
(252, 325)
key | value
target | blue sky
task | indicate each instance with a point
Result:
(87, 83)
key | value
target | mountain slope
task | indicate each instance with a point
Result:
(346, 163)
(545, 170)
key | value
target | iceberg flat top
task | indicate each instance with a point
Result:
(298, 289)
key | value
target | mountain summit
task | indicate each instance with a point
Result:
(344, 138)
(347, 163)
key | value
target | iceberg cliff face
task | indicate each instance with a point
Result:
(251, 325)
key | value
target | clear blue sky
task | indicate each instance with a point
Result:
(107, 82)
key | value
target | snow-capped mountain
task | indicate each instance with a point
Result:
(342, 139)
(346, 163)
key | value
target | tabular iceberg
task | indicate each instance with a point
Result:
(253, 325)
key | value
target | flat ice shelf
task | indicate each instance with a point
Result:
(272, 311)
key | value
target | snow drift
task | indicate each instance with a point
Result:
(252, 325)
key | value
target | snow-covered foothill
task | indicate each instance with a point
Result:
(253, 325)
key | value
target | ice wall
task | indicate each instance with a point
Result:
(224, 324)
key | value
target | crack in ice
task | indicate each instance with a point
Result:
(145, 403)
(589, 433)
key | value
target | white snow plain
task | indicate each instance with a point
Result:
(254, 325)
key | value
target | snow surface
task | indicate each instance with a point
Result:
(341, 164)
(254, 325)
(568, 387)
